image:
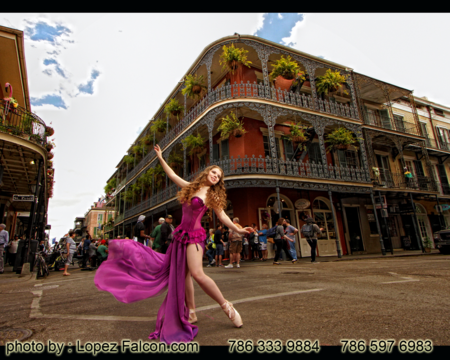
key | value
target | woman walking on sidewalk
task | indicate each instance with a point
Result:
(134, 272)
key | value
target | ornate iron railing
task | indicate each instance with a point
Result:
(262, 166)
(385, 122)
(238, 91)
(19, 121)
(108, 228)
(390, 180)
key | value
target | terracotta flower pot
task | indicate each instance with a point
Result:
(176, 113)
(50, 156)
(300, 139)
(342, 147)
(49, 147)
(282, 83)
(237, 133)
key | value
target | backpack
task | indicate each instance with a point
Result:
(272, 232)
(308, 230)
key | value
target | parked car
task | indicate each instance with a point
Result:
(442, 240)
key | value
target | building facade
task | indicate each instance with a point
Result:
(387, 191)
(26, 171)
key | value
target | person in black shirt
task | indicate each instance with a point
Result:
(139, 230)
(219, 245)
(166, 233)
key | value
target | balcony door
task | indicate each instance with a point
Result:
(385, 171)
(326, 245)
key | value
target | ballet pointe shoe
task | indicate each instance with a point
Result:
(229, 310)
(192, 316)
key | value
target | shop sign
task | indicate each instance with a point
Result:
(301, 204)
(24, 213)
(23, 197)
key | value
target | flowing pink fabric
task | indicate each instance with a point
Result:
(135, 272)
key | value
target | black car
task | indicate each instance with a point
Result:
(442, 240)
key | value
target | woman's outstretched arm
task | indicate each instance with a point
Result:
(168, 170)
(224, 219)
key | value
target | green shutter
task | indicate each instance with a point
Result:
(288, 149)
(225, 150)
(342, 158)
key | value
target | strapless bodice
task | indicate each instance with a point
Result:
(191, 222)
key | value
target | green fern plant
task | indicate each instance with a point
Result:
(110, 185)
(175, 159)
(173, 108)
(231, 125)
(231, 56)
(193, 86)
(128, 159)
(195, 143)
(331, 81)
(341, 138)
(159, 125)
(287, 68)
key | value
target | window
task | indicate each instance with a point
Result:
(100, 219)
(348, 158)
(109, 217)
(443, 138)
(216, 150)
(95, 232)
(438, 112)
(288, 150)
(267, 146)
(442, 177)
(314, 153)
(224, 149)
(399, 123)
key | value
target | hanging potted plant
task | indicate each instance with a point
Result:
(175, 160)
(174, 108)
(193, 86)
(50, 155)
(297, 133)
(147, 140)
(341, 139)
(159, 125)
(195, 143)
(128, 159)
(331, 82)
(50, 145)
(231, 125)
(49, 131)
(284, 72)
(110, 185)
(232, 57)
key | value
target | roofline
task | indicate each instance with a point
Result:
(371, 77)
(430, 103)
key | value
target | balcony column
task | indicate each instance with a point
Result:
(391, 114)
(362, 112)
(400, 152)
(362, 149)
(320, 131)
(263, 55)
(311, 70)
(415, 224)
(184, 164)
(270, 120)
(416, 115)
(338, 243)
(371, 159)
(185, 96)
(434, 185)
(380, 234)
(354, 104)
(210, 125)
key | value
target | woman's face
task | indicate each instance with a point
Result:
(214, 176)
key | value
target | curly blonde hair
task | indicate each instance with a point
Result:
(216, 196)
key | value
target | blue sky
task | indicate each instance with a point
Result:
(99, 78)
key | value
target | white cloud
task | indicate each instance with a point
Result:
(280, 16)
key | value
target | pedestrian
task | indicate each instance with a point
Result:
(166, 233)
(219, 245)
(156, 235)
(92, 251)
(71, 247)
(235, 239)
(246, 246)
(139, 230)
(290, 232)
(310, 231)
(13, 250)
(254, 244)
(226, 247)
(4, 240)
(175, 269)
(210, 248)
(280, 242)
(103, 251)
(86, 245)
(263, 241)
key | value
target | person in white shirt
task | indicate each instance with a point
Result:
(4, 239)
(13, 250)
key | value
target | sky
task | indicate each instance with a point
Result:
(97, 79)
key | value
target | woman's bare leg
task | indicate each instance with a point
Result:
(189, 290)
(194, 262)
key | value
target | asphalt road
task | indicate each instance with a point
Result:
(384, 298)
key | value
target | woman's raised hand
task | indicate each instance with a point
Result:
(158, 151)
(247, 230)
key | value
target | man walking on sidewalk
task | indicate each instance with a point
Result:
(310, 231)
(166, 233)
(235, 246)
(4, 239)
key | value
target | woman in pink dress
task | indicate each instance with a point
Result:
(135, 272)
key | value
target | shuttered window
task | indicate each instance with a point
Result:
(225, 150)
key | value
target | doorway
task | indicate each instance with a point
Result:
(304, 248)
(354, 228)
(326, 245)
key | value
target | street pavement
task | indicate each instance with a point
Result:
(373, 297)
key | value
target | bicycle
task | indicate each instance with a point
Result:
(41, 266)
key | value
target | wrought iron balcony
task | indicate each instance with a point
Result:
(19, 121)
(242, 91)
(380, 120)
(108, 227)
(262, 166)
(390, 180)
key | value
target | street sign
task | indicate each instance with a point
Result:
(23, 197)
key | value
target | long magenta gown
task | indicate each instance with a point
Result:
(135, 272)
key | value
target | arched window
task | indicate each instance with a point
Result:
(324, 218)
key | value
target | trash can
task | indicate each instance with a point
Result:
(22, 248)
